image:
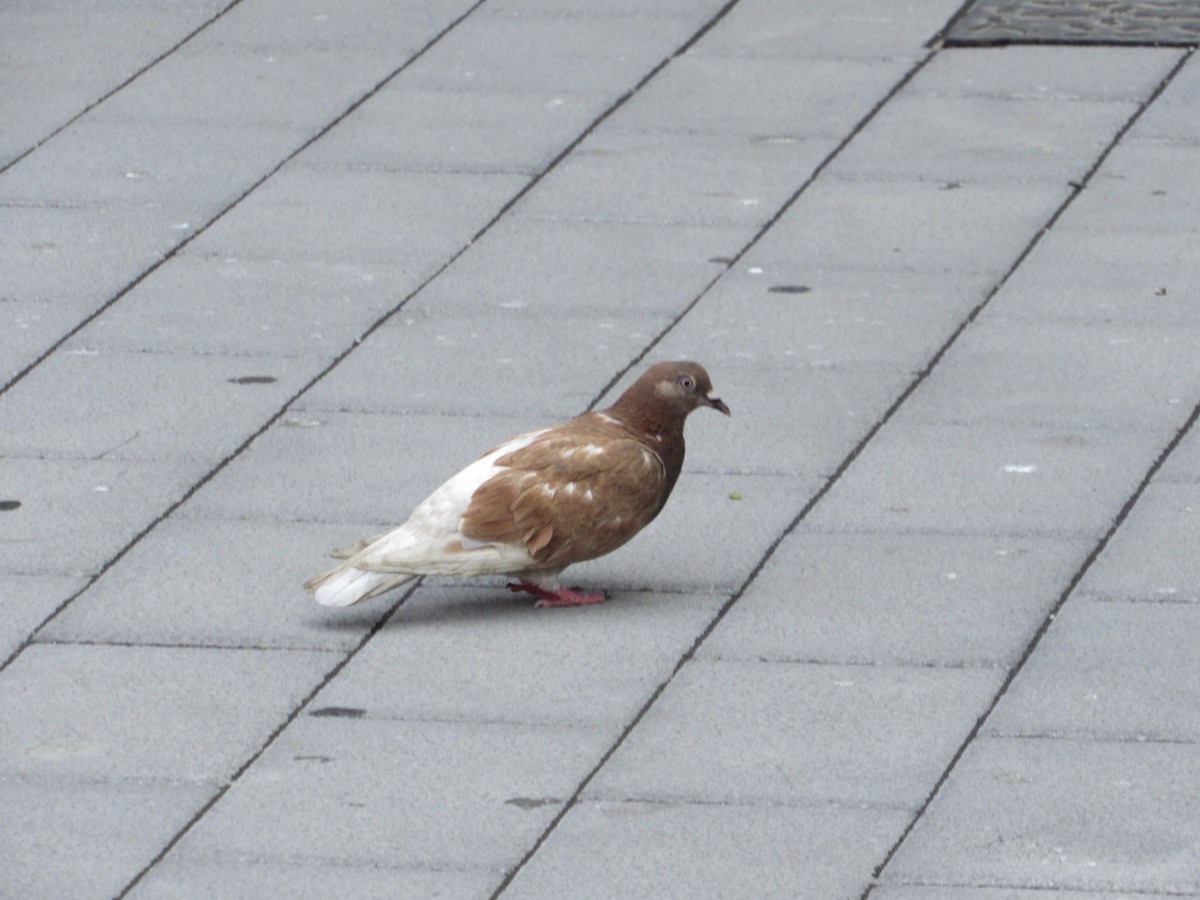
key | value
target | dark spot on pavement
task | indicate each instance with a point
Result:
(254, 379)
(531, 802)
(9, 505)
(788, 289)
(339, 712)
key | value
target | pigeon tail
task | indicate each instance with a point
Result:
(344, 586)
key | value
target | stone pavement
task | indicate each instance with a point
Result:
(921, 619)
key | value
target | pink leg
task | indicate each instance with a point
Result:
(562, 597)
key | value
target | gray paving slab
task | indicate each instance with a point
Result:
(420, 794)
(1010, 371)
(569, 51)
(339, 56)
(508, 362)
(1061, 815)
(1103, 292)
(897, 598)
(638, 849)
(458, 130)
(548, 268)
(484, 655)
(1168, 119)
(81, 838)
(129, 166)
(990, 137)
(1148, 187)
(827, 409)
(216, 582)
(1151, 559)
(903, 224)
(969, 892)
(840, 28)
(340, 215)
(145, 406)
(180, 714)
(1110, 286)
(990, 479)
(753, 101)
(793, 733)
(711, 535)
(74, 256)
(720, 181)
(94, 56)
(321, 466)
(1050, 73)
(77, 514)
(238, 879)
(213, 305)
(787, 315)
(27, 601)
(1183, 465)
(1109, 671)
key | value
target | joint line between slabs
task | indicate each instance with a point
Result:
(1122, 514)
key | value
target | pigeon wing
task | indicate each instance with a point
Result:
(566, 498)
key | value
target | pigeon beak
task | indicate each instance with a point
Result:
(717, 403)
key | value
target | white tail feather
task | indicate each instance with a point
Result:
(347, 586)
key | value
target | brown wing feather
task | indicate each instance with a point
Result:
(567, 503)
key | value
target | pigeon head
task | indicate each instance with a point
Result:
(665, 394)
(685, 386)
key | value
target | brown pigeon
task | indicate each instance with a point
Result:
(541, 500)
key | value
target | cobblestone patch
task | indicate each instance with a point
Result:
(1147, 22)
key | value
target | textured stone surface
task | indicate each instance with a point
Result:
(1155, 22)
(1054, 814)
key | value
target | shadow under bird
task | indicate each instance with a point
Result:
(540, 501)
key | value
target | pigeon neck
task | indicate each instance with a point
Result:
(654, 427)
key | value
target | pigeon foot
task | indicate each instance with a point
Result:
(562, 597)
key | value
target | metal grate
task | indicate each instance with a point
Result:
(1141, 22)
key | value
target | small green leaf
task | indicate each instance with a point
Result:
(735, 495)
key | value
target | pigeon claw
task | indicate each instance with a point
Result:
(562, 597)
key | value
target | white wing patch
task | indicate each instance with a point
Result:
(431, 542)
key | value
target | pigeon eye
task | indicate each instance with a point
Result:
(685, 382)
